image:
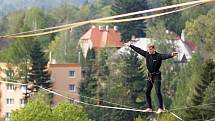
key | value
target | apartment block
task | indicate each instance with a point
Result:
(66, 79)
(11, 96)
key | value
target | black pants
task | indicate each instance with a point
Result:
(155, 80)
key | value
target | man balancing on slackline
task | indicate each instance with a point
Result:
(153, 63)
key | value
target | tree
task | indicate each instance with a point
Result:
(68, 112)
(206, 78)
(15, 22)
(187, 77)
(38, 73)
(3, 24)
(64, 48)
(172, 21)
(38, 109)
(127, 84)
(209, 111)
(195, 73)
(20, 51)
(65, 13)
(18, 55)
(128, 29)
(34, 19)
(201, 31)
(192, 14)
(176, 21)
(64, 45)
(108, 80)
(35, 110)
(96, 81)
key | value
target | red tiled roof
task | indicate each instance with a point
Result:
(103, 38)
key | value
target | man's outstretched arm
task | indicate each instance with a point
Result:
(167, 56)
(136, 49)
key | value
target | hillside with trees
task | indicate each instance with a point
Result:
(188, 89)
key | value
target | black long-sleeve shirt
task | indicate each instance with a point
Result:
(153, 61)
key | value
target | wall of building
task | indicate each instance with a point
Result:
(11, 98)
(66, 79)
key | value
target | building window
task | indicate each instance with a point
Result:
(10, 101)
(72, 74)
(10, 87)
(7, 115)
(22, 102)
(23, 88)
(72, 87)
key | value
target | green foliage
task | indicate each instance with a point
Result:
(38, 109)
(208, 110)
(117, 78)
(128, 29)
(171, 21)
(109, 81)
(158, 32)
(159, 117)
(187, 78)
(138, 118)
(18, 54)
(176, 22)
(3, 25)
(15, 22)
(201, 31)
(196, 79)
(35, 110)
(65, 13)
(30, 19)
(64, 48)
(96, 80)
(67, 112)
(38, 74)
(22, 21)
(206, 78)
(127, 82)
(166, 117)
(35, 18)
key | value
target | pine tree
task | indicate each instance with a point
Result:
(207, 76)
(209, 110)
(38, 74)
(114, 78)
(128, 29)
(127, 82)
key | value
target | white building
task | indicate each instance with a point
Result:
(11, 96)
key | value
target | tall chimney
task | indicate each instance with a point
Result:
(115, 28)
(101, 28)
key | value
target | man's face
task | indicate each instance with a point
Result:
(151, 50)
